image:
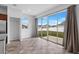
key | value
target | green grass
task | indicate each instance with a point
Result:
(52, 33)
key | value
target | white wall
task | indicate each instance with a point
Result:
(30, 31)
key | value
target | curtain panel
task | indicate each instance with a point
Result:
(71, 31)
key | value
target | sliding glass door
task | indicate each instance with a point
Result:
(52, 27)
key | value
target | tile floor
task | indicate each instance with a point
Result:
(34, 46)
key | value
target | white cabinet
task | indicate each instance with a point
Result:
(2, 43)
(2, 47)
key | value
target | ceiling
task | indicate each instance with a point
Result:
(33, 9)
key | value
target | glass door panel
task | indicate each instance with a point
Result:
(39, 30)
(44, 27)
(52, 26)
(61, 20)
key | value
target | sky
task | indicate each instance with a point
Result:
(52, 19)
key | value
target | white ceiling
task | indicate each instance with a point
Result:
(33, 9)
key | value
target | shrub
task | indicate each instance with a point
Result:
(52, 33)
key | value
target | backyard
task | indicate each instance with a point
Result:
(53, 36)
(52, 33)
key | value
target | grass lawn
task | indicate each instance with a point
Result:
(52, 33)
